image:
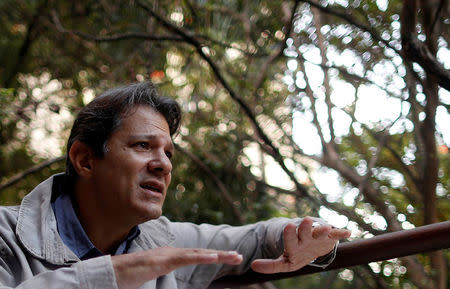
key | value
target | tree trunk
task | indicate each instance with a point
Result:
(430, 176)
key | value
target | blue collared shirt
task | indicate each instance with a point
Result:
(73, 234)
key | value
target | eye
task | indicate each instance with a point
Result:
(169, 155)
(142, 145)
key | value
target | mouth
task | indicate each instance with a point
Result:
(152, 186)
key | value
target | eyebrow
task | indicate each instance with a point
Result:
(150, 137)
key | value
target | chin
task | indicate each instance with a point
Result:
(149, 215)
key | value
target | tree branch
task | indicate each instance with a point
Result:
(326, 78)
(412, 48)
(309, 92)
(416, 51)
(406, 169)
(18, 177)
(140, 35)
(349, 213)
(352, 21)
(222, 188)
(380, 283)
(110, 38)
(215, 69)
(210, 40)
(439, 9)
(26, 44)
(277, 53)
(382, 140)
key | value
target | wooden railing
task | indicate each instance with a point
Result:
(382, 247)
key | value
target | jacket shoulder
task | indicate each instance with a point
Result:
(8, 217)
(158, 231)
(8, 224)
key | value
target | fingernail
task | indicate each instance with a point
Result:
(232, 253)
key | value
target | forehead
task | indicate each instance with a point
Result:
(144, 120)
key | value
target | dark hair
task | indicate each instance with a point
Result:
(101, 117)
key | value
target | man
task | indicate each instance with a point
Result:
(99, 225)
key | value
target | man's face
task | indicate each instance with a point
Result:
(131, 180)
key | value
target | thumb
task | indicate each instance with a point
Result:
(267, 266)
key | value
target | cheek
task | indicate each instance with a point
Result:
(123, 172)
(168, 179)
(131, 163)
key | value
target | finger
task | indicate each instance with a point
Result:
(305, 228)
(290, 238)
(207, 256)
(230, 257)
(190, 258)
(269, 266)
(321, 232)
(337, 234)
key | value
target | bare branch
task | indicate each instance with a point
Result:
(309, 92)
(322, 201)
(416, 51)
(439, 9)
(141, 35)
(380, 283)
(424, 53)
(326, 78)
(20, 176)
(428, 126)
(26, 45)
(382, 140)
(222, 188)
(375, 35)
(412, 48)
(247, 110)
(210, 41)
(416, 272)
(371, 194)
(277, 53)
(115, 37)
(406, 169)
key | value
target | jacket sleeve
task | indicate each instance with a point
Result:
(93, 273)
(259, 240)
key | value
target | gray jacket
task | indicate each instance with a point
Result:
(33, 256)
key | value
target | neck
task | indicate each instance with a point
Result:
(105, 229)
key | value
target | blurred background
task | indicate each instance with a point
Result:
(337, 109)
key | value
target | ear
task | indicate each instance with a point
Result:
(82, 158)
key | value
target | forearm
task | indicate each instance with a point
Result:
(130, 271)
(259, 240)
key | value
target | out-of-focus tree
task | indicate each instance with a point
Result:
(292, 108)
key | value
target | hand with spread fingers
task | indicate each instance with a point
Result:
(134, 269)
(302, 246)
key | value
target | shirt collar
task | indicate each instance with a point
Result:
(73, 234)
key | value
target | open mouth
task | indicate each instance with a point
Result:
(151, 188)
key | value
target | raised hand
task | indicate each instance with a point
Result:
(133, 270)
(302, 245)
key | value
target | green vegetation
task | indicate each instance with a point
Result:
(292, 108)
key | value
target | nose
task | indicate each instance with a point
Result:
(160, 164)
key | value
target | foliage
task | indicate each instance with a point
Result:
(275, 95)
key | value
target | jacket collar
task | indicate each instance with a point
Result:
(37, 229)
(36, 226)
